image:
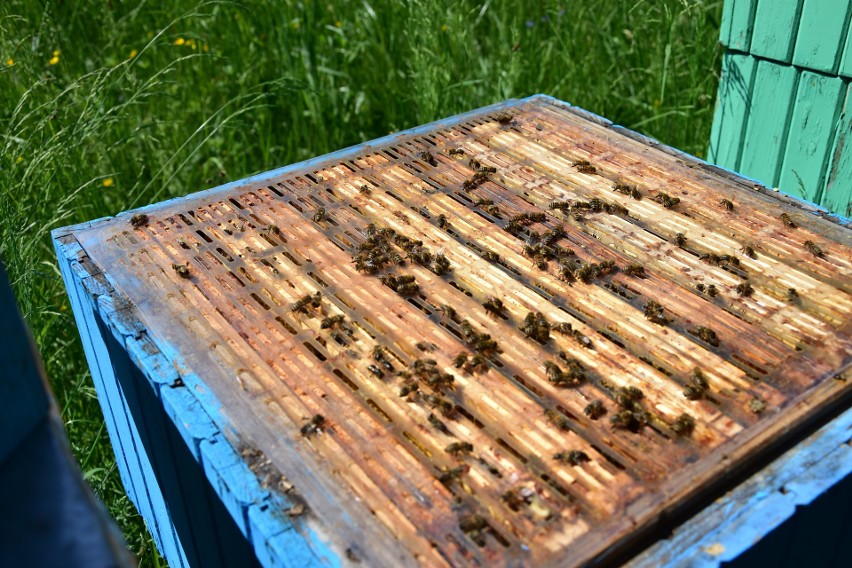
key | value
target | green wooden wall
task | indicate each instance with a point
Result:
(781, 112)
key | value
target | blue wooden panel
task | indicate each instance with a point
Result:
(811, 133)
(733, 523)
(776, 24)
(23, 395)
(822, 34)
(733, 105)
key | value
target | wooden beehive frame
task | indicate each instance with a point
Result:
(214, 279)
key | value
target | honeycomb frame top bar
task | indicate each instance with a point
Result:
(521, 335)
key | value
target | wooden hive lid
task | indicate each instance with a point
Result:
(636, 326)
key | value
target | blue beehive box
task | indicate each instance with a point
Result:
(522, 335)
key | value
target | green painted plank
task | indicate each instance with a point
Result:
(837, 193)
(811, 134)
(725, 24)
(740, 19)
(845, 69)
(766, 131)
(775, 25)
(822, 34)
(732, 109)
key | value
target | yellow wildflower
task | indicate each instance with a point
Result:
(56, 53)
(191, 43)
(108, 182)
(54, 60)
(180, 41)
(19, 159)
(295, 24)
(133, 53)
(338, 24)
(206, 48)
(10, 62)
(444, 27)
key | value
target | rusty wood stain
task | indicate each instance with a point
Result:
(255, 251)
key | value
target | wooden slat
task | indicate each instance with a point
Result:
(837, 195)
(811, 133)
(732, 109)
(776, 24)
(822, 34)
(768, 121)
(845, 68)
(738, 23)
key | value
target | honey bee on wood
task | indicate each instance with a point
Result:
(314, 426)
(558, 419)
(452, 475)
(408, 387)
(626, 420)
(788, 221)
(438, 424)
(748, 250)
(365, 190)
(792, 295)
(698, 386)
(442, 221)
(474, 526)
(504, 118)
(477, 166)
(448, 312)
(138, 220)
(477, 364)
(813, 249)
(573, 377)
(684, 425)
(757, 405)
(319, 215)
(441, 265)
(727, 204)
(706, 335)
(680, 240)
(455, 152)
(182, 270)
(654, 312)
(494, 306)
(585, 167)
(594, 409)
(333, 322)
(744, 289)
(459, 448)
(375, 371)
(429, 159)
(572, 457)
(381, 358)
(630, 190)
(490, 256)
(634, 269)
(307, 303)
(536, 327)
(712, 291)
(460, 359)
(666, 200)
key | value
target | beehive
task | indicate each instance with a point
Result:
(522, 335)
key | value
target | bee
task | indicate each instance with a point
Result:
(297, 510)
(459, 448)
(756, 405)
(727, 204)
(594, 409)
(706, 335)
(490, 256)
(684, 425)
(813, 249)
(634, 269)
(429, 159)
(477, 364)
(698, 379)
(494, 306)
(563, 327)
(455, 152)
(585, 167)
(698, 387)
(473, 526)
(314, 426)
(558, 419)
(476, 165)
(307, 303)
(626, 420)
(504, 118)
(319, 215)
(536, 327)
(560, 205)
(380, 357)
(630, 190)
(228, 231)
(407, 388)
(654, 312)
(445, 406)
(680, 240)
(365, 190)
(441, 265)
(744, 289)
(460, 359)
(792, 295)
(138, 220)
(712, 291)
(448, 311)
(691, 392)
(332, 322)
(748, 250)
(182, 270)
(442, 221)
(788, 221)
(572, 457)
(451, 475)
(438, 424)
(666, 200)
(375, 371)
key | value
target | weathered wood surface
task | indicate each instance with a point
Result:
(371, 473)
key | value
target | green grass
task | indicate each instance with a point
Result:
(220, 90)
